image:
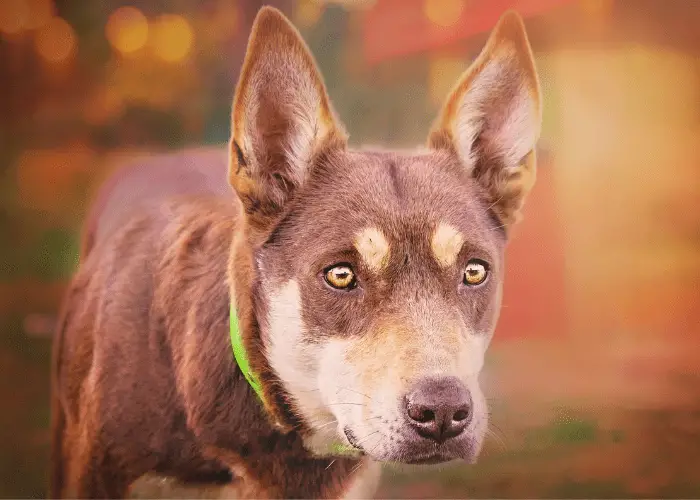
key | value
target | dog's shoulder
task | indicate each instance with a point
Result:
(165, 250)
(155, 293)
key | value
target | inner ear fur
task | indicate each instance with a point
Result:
(281, 117)
(492, 119)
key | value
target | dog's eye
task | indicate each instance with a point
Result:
(475, 273)
(341, 277)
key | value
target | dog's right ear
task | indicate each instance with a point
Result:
(281, 117)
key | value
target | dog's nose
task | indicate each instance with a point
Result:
(439, 408)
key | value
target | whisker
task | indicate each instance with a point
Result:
(332, 462)
(367, 436)
(356, 392)
(496, 434)
(326, 424)
(357, 467)
(494, 203)
(373, 418)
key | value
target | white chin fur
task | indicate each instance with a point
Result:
(297, 364)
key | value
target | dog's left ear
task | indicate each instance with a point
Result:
(281, 118)
(492, 118)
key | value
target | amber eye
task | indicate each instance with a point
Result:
(341, 277)
(475, 273)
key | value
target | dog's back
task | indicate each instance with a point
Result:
(150, 179)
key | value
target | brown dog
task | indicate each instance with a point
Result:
(365, 289)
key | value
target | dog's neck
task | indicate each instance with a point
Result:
(241, 282)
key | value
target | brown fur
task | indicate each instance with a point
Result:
(143, 375)
(215, 415)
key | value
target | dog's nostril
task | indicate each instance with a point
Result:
(460, 415)
(421, 415)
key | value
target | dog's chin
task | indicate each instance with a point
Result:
(421, 451)
(440, 455)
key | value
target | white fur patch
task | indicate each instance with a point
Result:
(297, 362)
(446, 244)
(471, 359)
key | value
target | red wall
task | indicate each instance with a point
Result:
(396, 28)
(534, 296)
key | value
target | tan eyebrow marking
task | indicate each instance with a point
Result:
(373, 248)
(446, 244)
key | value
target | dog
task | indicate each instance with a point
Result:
(328, 314)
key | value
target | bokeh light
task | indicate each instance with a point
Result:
(56, 41)
(172, 38)
(443, 12)
(14, 16)
(40, 12)
(308, 12)
(127, 30)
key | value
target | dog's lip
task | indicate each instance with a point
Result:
(438, 457)
(352, 439)
(435, 458)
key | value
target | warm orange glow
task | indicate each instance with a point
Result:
(14, 16)
(308, 12)
(103, 105)
(40, 12)
(46, 177)
(596, 8)
(172, 38)
(225, 21)
(56, 41)
(127, 30)
(443, 12)
(442, 75)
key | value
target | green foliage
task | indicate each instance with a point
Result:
(55, 255)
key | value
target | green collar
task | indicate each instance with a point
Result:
(240, 354)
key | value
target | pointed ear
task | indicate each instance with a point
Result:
(281, 117)
(492, 118)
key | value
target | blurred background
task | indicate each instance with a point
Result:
(594, 373)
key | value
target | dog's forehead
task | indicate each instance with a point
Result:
(378, 202)
(398, 193)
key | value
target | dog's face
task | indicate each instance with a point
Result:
(380, 291)
(378, 275)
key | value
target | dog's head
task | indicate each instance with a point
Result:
(377, 276)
